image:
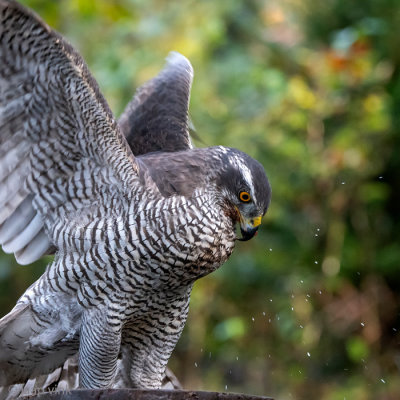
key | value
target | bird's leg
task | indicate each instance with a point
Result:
(146, 356)
(98, 351)
(150, 340)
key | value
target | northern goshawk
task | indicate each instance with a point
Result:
(133, 213)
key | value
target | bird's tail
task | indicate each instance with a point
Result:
(66, 378)
(15, 330)
(27, 368)
(31, 355)
(30, 347)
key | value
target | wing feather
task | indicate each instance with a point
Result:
(25, 236)
(53, 122)
(36, 248)
(157, 117)
(19, 219)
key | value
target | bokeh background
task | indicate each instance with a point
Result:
(309, 309)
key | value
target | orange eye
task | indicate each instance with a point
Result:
(245, 197)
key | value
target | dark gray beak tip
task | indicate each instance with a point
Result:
(248, 234)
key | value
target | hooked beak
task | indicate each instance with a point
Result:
(249, 227)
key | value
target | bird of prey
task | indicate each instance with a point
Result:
(133, 213)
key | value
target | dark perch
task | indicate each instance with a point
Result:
(135, 394)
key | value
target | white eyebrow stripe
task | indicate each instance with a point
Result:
(246, 173)
(248, 178)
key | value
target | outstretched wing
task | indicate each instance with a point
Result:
(157, 117)
(58, 138)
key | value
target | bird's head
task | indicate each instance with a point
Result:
(245, 189)
(237, 181)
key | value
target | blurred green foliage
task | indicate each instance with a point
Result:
(310, 308)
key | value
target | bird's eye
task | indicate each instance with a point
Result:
(245, 197)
